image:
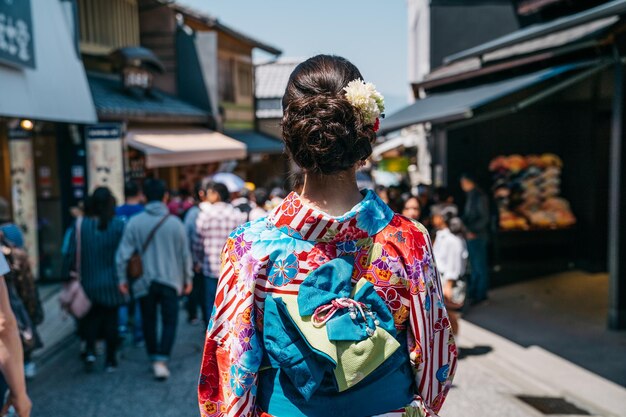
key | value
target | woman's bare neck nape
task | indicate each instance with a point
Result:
(333, 194)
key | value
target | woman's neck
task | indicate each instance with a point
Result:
(333, 194)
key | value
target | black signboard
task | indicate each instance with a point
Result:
(16, 33)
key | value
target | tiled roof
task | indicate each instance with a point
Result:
(112, 102)
(213, 23)
(271, 78)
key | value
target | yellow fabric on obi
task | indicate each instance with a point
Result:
(355, 360)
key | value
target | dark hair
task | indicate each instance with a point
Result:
(261, 196)
(102, 205)
(468, 176)
(220, 189)
(442, 194)
(154, 189)
(131, 189)
(409, 198)
(323, 132)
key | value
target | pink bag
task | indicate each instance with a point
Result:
(73, 298)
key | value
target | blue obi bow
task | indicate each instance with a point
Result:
(333, 281)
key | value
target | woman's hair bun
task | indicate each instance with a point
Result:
(323, 132)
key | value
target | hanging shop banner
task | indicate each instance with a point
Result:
(24, 197)
(16, 33)
(105, 158)
(398, 164)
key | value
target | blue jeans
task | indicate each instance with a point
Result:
(210, 290)
(124, 321)
(164, 298)
(479, 282)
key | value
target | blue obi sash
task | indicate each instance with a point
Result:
(350, 361)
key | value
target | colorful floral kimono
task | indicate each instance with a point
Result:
(316, 313)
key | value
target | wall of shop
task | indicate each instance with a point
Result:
(457, 26)
(577, 131)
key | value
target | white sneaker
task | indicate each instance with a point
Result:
(160, 371)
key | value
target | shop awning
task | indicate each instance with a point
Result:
(56, 88)
(462, 104)
(608, 9)
(257, 142)
(405, 141)
(179, 147)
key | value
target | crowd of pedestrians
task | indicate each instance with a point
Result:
(175, 240)
(179, 242)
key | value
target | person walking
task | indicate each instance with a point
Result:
(130, 313)
(9, 229)
(476, 220)
(451, 256)
(98, 234)
(333, 302)
(134, 201)
(160, 239)
(411, 208)
(216, 219)
(12, 381)
(11, 234)
(196, 300)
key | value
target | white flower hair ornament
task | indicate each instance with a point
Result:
(367, 101)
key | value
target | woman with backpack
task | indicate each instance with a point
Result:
(91, 252)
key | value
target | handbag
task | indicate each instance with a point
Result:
(73, 298)
(134, 269)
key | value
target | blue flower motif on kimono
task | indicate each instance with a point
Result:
(254, 230)
(238, 231)
(442, 373)
(348, 246)
(373, 217)
(276, 243)
(427, 302)
(240, 380)
(289, 231)
(283, 271)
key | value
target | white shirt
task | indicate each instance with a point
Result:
(450, 255)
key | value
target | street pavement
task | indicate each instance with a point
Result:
(494, 370)
(63, 389)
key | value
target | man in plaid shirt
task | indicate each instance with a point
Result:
(217, 218)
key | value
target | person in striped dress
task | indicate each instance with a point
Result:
(332, 302)
(100, 235)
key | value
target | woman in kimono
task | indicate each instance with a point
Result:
(332, 304)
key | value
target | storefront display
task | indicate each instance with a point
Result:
(528, 194)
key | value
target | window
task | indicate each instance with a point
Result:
(226, 80)
(108, 25)
(244, 79)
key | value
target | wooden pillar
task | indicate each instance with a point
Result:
(617, 202)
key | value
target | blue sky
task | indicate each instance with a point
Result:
(370, 33)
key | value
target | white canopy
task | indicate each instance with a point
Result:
(184, 146)
(56, 89)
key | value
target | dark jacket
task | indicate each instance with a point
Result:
(476, 213)
(97, 260)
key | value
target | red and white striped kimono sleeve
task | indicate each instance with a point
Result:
(431, 344)
(231, 359)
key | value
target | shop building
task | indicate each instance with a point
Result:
(45, 101)
(218, 77)
(546, 97)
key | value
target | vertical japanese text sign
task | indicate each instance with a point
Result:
(105, 160)
(24, 197)
(16, 33)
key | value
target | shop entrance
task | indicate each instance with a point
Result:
(49, 204)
